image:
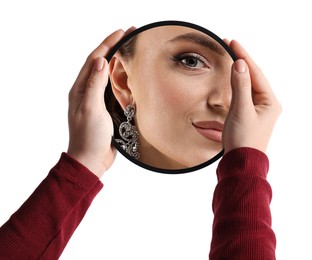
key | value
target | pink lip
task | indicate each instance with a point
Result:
(210, 129)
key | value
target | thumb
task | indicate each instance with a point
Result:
(97, 82)
(241, 86)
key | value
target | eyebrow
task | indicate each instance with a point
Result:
(201, 40)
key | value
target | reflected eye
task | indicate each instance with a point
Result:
(192, 61)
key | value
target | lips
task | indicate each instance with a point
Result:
(210, 129)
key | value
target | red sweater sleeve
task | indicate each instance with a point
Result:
(241, 206)
(42, 226)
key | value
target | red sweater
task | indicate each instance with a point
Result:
(42, 226)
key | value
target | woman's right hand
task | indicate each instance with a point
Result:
(90, 125)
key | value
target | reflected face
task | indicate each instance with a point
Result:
(179, 80)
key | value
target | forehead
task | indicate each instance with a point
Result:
(167, 32)
(174, 35)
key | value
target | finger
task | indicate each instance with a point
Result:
(78, 89)
(96, 84)
(227, 42)
(107, 44)
(242, 53)
(131, 29)
(260, 84)
(241, 87)
(101, 51)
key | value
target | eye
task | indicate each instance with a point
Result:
(192, 61)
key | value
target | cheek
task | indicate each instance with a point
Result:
(157, 90)
(171, 93)
(162, 102)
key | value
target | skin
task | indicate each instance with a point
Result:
(88, 118)
(254, 107)
(253, 111)
(170, 95)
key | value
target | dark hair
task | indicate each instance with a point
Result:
(127, 51)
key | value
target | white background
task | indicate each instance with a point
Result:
(141, 214)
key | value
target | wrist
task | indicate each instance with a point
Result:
(94, 165)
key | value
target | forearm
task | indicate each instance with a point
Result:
(42, 226)
(241, 205)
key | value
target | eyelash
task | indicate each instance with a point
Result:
(179, 59)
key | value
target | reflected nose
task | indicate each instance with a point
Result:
(219, 97)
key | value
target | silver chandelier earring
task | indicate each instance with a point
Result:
(129, 134)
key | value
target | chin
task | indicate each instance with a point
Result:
(201, 158)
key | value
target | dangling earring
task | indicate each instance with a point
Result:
(129, 134)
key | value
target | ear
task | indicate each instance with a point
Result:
(119, 82)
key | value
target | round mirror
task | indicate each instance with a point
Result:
(168, 94)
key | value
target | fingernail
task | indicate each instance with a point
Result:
(132, 28)
(98, 64)
(227, 41)
(240, 66)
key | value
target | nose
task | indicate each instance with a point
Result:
(220, 95)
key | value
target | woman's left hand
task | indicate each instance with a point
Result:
(254, 108)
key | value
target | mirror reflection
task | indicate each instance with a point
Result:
(169, 95)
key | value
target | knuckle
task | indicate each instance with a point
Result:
(92, 82)
(279, 107)
(91, 57)
(243, 81)
(87, 108)
(71, 94)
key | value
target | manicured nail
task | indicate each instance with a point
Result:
(240, 66)
(98, 64)
(132, 28)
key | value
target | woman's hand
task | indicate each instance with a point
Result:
(90, 125)
(254, 108)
